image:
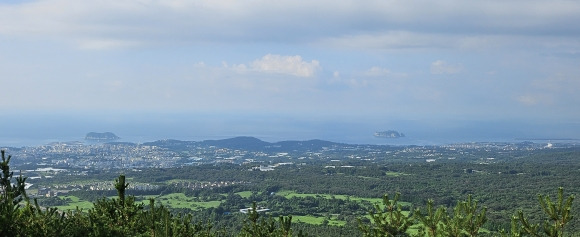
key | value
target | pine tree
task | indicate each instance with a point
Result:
(432, 220)
(12, 195)
(559, 214)
(117, 217)
(465, 220)
(387, 221)
(285, 225)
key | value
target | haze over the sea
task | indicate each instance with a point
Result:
(28, 131)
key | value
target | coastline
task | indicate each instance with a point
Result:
(12, 142)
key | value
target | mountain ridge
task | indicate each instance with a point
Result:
(248, 143)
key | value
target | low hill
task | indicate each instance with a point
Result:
(248, 144)
(245, 143)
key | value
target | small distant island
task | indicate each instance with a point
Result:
(389, 134)
(105, 136)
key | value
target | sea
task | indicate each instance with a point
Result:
(23, 131)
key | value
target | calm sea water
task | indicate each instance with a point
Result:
(39, 130)
(334, 136)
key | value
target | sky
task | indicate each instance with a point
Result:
(322, 60)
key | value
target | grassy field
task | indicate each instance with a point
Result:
(394, 174)
(74, 203)
(179, 200)
(244, 194)
(317, 220)
(173, 200)
(176, 200)
(290, 194)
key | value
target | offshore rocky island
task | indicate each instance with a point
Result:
(389, 134)
(105, 136)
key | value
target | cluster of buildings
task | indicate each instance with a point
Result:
(81, 157)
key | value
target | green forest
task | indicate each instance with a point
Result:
(524, 194)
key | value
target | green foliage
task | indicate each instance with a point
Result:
(120, 216)
(285, 225)
(558, 215)
(254, 226)
(49, 221)
(28, 220)
(465, 220)
(387, 221)
(12, 194)
(161, 222)
(432, 220)
(515, 229)
(124, 216)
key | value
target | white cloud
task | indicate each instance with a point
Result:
(293, 65)
(377, 71)
(442, 67)
(382, 23)
(336, 74)
(383, 72)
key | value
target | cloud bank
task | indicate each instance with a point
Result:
(93, 24)
(293, 65)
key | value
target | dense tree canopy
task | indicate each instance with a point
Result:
(446, 199)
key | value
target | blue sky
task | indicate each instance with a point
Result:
(378, 60)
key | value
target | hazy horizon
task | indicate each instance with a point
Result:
(28, 130)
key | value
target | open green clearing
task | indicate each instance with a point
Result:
(74, 203)
(245, 194)
(317, 220)
(179, 200)
(291, 194)
(173, 200)
(394, 174)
